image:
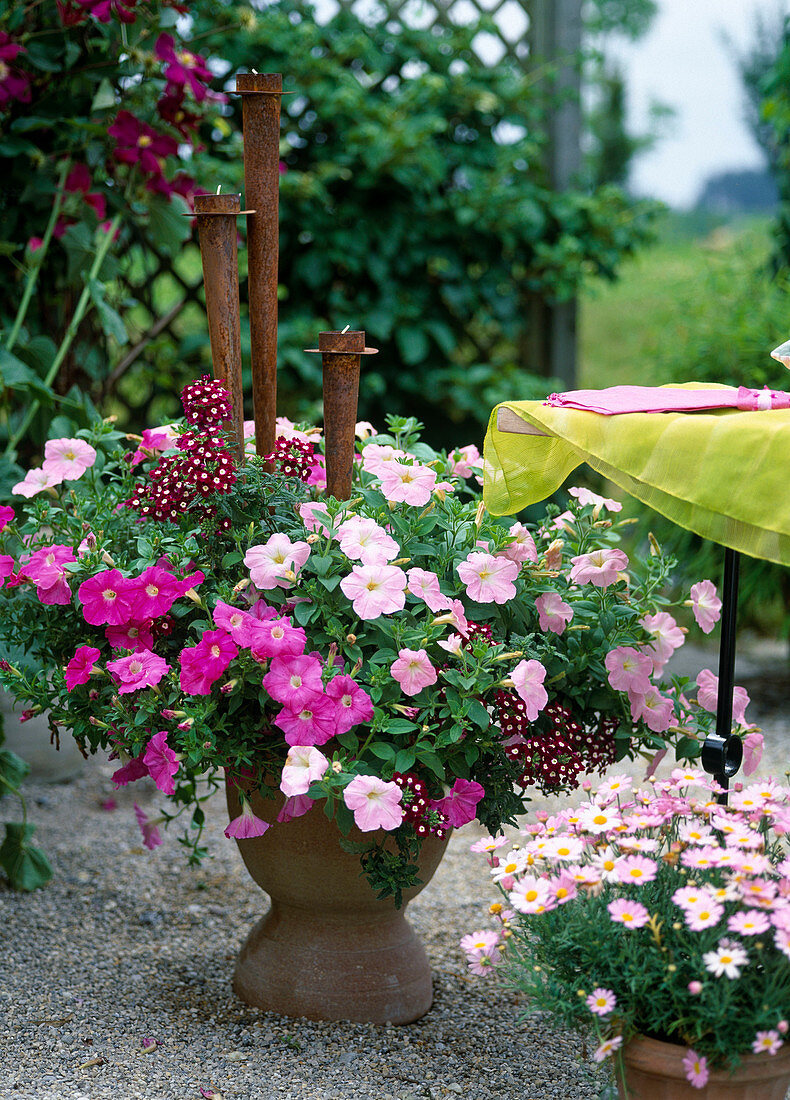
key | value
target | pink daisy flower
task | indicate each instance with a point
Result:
(80, 667)
(67, 459)
(407, 484)
(375, 590)
(766, 1042)
(553, 613)
(162, 762)
(488, 579)
(636, 870)
(107, 597)
(374, 803)
(353, 705)
(705, 914)
(413, 670)
(531, 894)
(304, 764)
(246, 825)
(528, 677)
(696, 1070)
(600, 567)
(204, 663)
(749, 922)
(726, 961)
(601, 1002)
(607, 1047)
(140, 670)
(631, 914)
(706, 605)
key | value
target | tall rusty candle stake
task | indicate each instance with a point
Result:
(340, 356)
(261, 94)
(217, 232)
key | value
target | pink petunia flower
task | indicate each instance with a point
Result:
(361, 539)
(522, 548)
(528, 677)
(314, 724)
(154, 441)
(315, 516)
(294, 681)
(413, 670)
(35, 481)
(653, 708)
(162, 762)
(246, 825)
(375, 590)
(488, 579)
(631, 914)
(667, 637)
(353, 704)
(586, 496)
(553, 613)
(151, 836)
(277, 638)
(275, 563)
(6, 515)
(459, 805)
(80, 667)
(601, 1002)
(374, 803)
(629, 670)
(600, 567)
(107, 597)
(139, 670)
(708, 696)
(752, 752)
(131, 771)
(241, 625)
(407, 484)
(45, 567)
(295, 806)
(134, 636)
(461, 461)
(67, 459)
(696, 1069)
(706, 605)
(304, 764)
(155, 592)
(204, 663)
(425, 585)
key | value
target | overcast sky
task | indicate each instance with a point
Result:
(685, 63)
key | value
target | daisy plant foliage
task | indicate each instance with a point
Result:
(651, 909)
(401, 658)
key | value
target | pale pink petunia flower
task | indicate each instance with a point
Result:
(629, 670)
(459, 805)
(767, 1042)
(528, 677)
(374, 803)
(696, 1070)
(378, 456)
(67, 459)
(363, 429)
(407, 483)
(461, 461)
(607, 1047)
(275, 563)
(362, 539)
(586, 496)
(246, 825)
(413, 670)
(600, 567)
(34, 482)
(553, 613)
(315, 516)
(708, 696)
(140, 670)
(488, 579)
(304, 764)
(162, 762)
(454, 644)
(752, 752)
(375, 590)
(522, 548)
(706, 605)
(425, 585)
(631, 914)
(353, 704)
(667, 636)
(601, 1002)
(80, 667)
(653, 708)
(151, 836)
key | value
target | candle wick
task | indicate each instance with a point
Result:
(345, 329)
(219, 188)
(255, 71)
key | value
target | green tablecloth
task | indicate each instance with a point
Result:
(724, 474)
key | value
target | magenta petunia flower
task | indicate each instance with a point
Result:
(246, 825)
(706, 605)
(151, 836)
(425, 585)
(314, 724)
(139, 670)
(162, 762)
(295, 806)
(277, 638)
(80, 667)
(528, 677)
(204, 663)
(294, 681)
(353, 704)
(488, 579)
(375, 590)
(6, 567)
(374, 803)
(182, 68)
(154, 441)
(14, 83)
(304, 764)
(553, 613)
(459, 805)
(134, 636)
(132, 770)
(107, 597)
(154, 593)
(413, 670)
(45, 566)
(6, 515)
(361, 539)
(600, 567)
(241, 625)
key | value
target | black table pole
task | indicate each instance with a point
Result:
(722, 752)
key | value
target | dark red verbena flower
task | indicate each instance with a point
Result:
(415, 806)
(292, 457)
(206, 402)
(14, 83)
(183, 68)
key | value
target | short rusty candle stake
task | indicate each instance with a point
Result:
(340, 355)
(217, 231)
(261, 94)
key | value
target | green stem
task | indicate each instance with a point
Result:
(20, 796)
(32, 276)
(71, 331)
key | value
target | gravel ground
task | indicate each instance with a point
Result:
(127, 948)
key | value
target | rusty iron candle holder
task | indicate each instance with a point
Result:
(261, 94)
(340, 356)
(216, 217)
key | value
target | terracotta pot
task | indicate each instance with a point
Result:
(654, 1071)
(328, 949)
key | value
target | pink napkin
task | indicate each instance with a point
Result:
(650, 399)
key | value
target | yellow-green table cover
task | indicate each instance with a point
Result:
(724, 474)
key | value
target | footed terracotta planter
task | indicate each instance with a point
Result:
(654, 1071)
(328, 949)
